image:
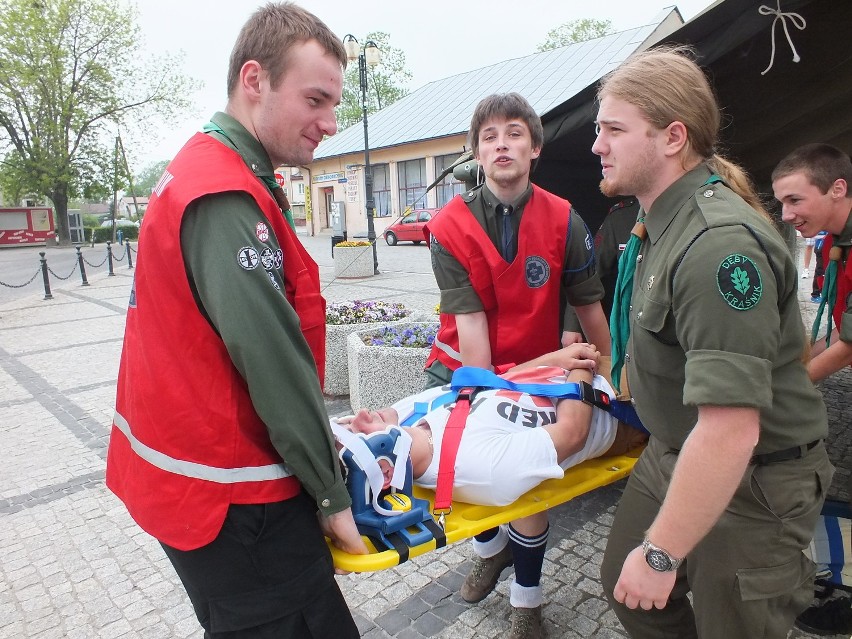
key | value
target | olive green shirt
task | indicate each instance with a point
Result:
(580, 284)
(715, 320)
(610, 241)
(260, 329)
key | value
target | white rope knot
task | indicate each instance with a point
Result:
(797, 20)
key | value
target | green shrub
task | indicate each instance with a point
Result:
(102, 234)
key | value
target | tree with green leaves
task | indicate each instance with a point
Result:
(71, 74)
(573, 31)
(386, 82)
(145, 180)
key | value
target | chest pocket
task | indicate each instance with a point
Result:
(655, 346)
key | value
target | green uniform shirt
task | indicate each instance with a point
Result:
(609, 244)
(580, 284)
(715, 319)
(259, 327)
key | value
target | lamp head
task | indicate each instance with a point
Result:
(350, 44)
(372, 53)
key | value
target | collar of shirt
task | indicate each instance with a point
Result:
(666, 206)
(491, 202)
(244, 143)
(845, 237)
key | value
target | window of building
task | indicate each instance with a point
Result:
(412, 182)
(449, 186)
(381, 189)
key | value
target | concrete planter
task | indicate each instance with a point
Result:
(382, 375)
(353, 261)
(336, 358)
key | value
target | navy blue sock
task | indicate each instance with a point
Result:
(528, 553)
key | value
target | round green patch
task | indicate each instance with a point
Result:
(739, 282)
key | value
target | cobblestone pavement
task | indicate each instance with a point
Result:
(74, 565)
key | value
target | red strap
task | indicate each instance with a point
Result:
(450, 448)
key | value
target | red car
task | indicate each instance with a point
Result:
(409, 228)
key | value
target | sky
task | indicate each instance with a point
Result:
(440, 38)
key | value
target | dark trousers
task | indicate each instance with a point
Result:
(267, 574)
(748, 576)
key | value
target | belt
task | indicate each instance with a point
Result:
(794, 452)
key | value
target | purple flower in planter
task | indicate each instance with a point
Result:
(417, 337)
(360, 312)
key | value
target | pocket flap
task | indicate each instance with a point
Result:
(652, 315)
(766, 583)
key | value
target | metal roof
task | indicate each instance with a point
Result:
(444, 107)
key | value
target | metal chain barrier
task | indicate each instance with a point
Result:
(59, 277)
(95, 265)
(44, 269)
(30, 281)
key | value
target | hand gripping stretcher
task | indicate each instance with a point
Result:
(403, 521)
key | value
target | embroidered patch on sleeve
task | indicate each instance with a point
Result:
(738, 279)
(248, 258)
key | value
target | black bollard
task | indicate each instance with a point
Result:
(47, 294)
(82, 266)
(129, 254)
(109, 258)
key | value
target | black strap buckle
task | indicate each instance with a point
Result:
(467, 393)
(596, 397)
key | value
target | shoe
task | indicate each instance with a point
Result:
(832, 618)
(816, 299)
(806, 274)
(526, 623)
(484, 574)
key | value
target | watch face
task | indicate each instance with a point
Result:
(658, 560)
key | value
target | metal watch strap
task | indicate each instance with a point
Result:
(649, 549)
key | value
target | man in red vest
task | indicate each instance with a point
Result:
(509, 257)
(220, 446)
(812, 184)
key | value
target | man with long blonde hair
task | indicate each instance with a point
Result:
(707, 327)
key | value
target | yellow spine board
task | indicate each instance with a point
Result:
(468, 520)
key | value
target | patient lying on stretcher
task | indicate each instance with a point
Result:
(512, 441)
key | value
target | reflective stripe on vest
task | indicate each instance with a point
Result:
(199, 471)
(449, 350)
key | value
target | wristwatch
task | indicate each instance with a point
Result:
(659, 559)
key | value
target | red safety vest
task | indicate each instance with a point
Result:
(186, 441)
(521, 299)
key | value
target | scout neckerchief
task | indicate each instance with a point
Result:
(619, 319)
(836, 254)
(275, 188)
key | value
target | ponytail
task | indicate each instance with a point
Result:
(739, 181)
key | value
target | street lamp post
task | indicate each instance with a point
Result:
(369, 55)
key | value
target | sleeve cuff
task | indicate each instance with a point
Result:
(334, 499)
(586, 292)
(720, 378)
